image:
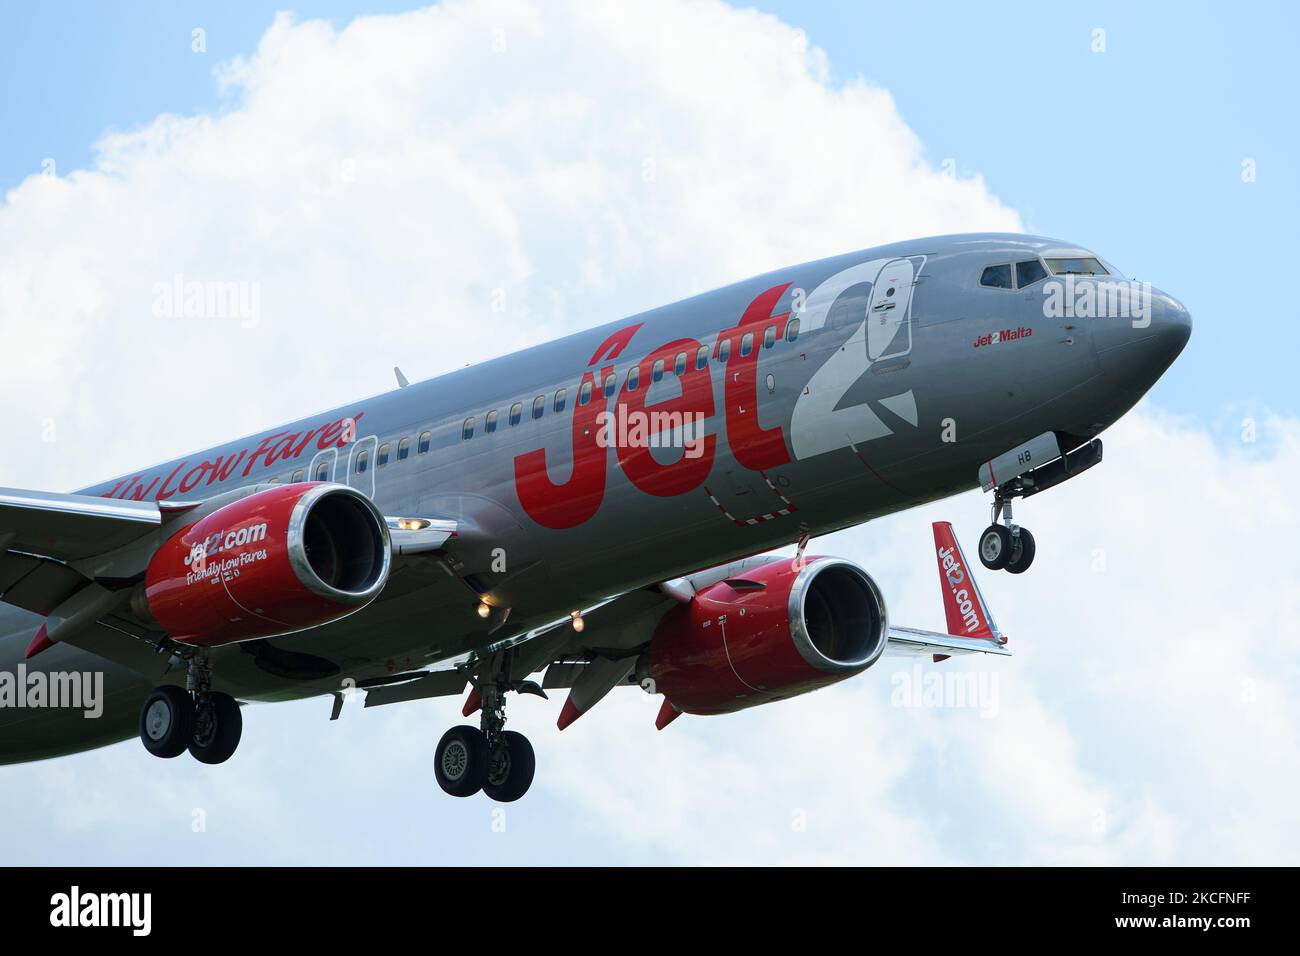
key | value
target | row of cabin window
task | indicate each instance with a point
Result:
(382, 456)
(383, 452)
(633, 380)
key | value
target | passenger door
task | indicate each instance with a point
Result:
(889, 329)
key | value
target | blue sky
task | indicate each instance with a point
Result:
(1165, 733)
(1136, 152)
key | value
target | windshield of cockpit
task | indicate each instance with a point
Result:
(1080, 266)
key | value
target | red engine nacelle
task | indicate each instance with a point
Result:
(770, 633)
(277, 561)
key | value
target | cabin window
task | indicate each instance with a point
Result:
(298, 476)
(633, 378)
(516, 412)
(382, 458)
(539, 406)
(403, 449)
(724, 350)
(323, 471)
(657, 370)
(1029, 272)
(467, 430)
(425, 439)
(363, 462)
(679, 366)
(792, 330)
(561, 396)
(997, 277)
(746, 344)
(611, 384)
(584, 393)
(273, 481)
(702, 357)
(769, 336)
(490, 422)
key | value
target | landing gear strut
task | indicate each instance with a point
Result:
(1006, 546)
(489, 758)
(198, 719)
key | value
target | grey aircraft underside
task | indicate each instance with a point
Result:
(587, 508)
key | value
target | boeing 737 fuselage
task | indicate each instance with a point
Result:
(589, 507)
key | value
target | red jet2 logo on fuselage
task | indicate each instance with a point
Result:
(572, 502)
(822, 421)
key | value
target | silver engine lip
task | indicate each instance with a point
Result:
(298, 553)
(798, 630)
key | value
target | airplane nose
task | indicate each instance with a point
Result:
(1134, 352)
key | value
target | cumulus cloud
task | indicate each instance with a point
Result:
(430, 189)
(453, 183)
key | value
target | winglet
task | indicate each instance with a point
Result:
(39, 643)
(963, 604)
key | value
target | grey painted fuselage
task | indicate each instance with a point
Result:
(905, 375)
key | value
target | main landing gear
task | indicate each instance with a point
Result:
(489, 758)
(196, 718)
(1005, 546)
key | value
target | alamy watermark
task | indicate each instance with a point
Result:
(947, 689)
(1098, 299)
(74, 690)
(632, 428)
(183, 298)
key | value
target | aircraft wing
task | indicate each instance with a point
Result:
(617, 631)
(69, 558)
(42, 532)
(67, 527)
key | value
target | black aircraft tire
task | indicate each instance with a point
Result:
(1020, 563)
(222, 737)
(517, 775)
(461, 761)
(995, 547)
(166, 721)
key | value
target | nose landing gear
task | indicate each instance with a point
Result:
(1006, 546)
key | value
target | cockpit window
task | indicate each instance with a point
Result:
(1078, 266)
(997, 277)
(1029, 272)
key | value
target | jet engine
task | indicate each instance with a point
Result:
(780, 630)
(273, 562)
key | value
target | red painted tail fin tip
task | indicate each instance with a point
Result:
(963, 605)
(39, 643)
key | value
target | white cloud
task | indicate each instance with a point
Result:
(387, 186)
(383, 186)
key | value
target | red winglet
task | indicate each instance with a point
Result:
(39, 643)
(967, 614)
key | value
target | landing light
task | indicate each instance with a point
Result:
(484, 609)
(578, 623)
(412, 524)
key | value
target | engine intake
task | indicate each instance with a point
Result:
(773, 632)
(277, 561)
